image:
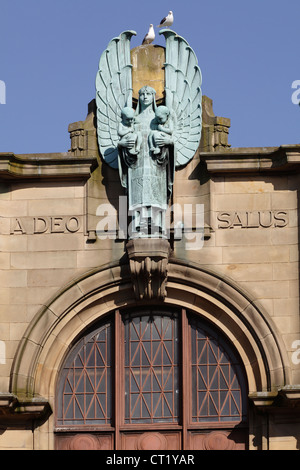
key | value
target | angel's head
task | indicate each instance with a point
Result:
(146, 95)
(162, 113)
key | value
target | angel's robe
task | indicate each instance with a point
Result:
(148, 184)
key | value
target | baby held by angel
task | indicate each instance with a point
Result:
(129, 138)
(164, 125)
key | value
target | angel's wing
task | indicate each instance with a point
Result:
(183, 95)
(113, 92)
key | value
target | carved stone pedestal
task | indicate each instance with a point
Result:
(148, 261)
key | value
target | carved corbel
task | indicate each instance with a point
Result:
(148, 262)
(23, 413)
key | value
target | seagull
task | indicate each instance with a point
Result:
(167, 21)
(150, 36)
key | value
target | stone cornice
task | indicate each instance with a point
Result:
(46, 165)
(285, 158)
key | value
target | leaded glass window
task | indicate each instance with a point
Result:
(217, 379)
(151, 368)
(87, 381)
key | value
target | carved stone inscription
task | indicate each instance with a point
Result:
(40, 225)
(255, 219)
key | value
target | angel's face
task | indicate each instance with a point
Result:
(146, 97)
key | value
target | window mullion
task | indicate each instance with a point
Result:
(119, 381)
(185, 355)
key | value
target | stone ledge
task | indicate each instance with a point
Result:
(257, 159)
(23, 413)
(291, 393)
(51, 165)
(287, 397)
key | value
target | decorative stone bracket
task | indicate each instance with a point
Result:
(287, 397)
(22, 413)
(148, 262)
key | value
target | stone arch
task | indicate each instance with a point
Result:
(56, 327)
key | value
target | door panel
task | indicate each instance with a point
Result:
(155, 440)
(218, 440)
(165, 440)
(85, 441)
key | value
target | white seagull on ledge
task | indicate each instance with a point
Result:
(150, 36)
(167, 21)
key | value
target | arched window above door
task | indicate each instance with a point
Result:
(218, 385)
(152, 368)
(161, 371)
(86, 381)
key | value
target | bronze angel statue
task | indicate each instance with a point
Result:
(148, 143)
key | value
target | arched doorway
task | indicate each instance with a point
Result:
(106, 293)
(152, 378)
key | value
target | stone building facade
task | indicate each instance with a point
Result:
(231, 288)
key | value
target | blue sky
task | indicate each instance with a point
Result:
(248, 52)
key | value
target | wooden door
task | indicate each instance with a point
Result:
(152, 379)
